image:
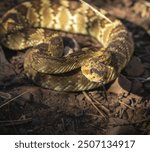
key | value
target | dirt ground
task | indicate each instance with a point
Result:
(122, 107)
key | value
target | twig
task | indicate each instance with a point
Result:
(96, 11)
(14, 122)
(13, 99)
(126, 105)
(90, 100)
(102, 107)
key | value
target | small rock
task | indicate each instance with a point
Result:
(120, 86)
(135, 67)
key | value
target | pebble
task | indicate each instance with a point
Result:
(135, 68)
(120, 86)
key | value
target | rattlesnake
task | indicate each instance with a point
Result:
(39, 26)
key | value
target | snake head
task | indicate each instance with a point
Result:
(55, 45)
(98, 71)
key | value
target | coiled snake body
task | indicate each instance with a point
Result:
(39, 25)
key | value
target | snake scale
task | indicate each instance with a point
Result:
(39, 26)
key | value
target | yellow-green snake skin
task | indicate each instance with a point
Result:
(39, 26)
